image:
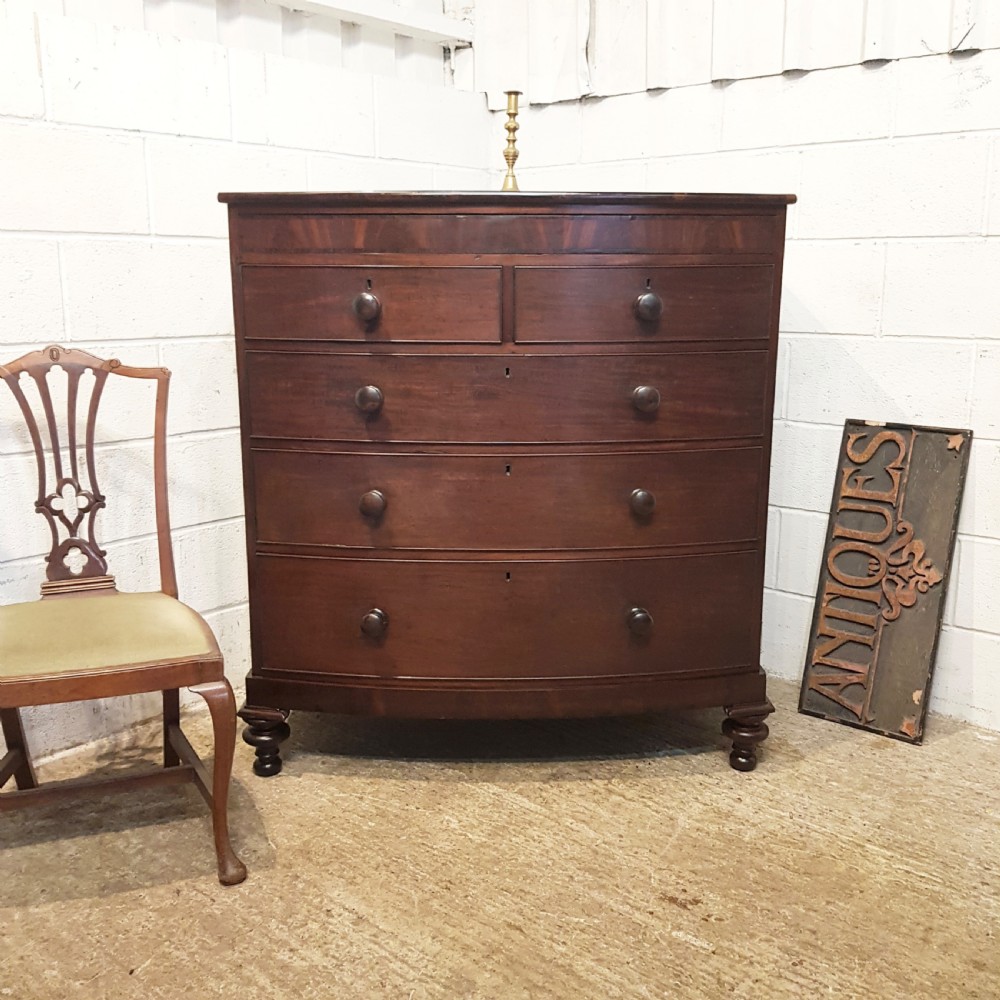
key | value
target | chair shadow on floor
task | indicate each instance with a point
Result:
(99, 846)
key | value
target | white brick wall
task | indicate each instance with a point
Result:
(890, 304)
(120, 121)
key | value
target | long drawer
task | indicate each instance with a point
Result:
(503, 231)
(533, 398)
(486, 502)
(372, 304)
(519, 619)
(605, 303)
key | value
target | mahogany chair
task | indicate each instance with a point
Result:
(84, 639)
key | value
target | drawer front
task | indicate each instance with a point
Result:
(698, 396)
(372, 304)
(519, 619)
(620, 304)
(507, 502)
(511, 232)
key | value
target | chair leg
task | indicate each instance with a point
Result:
(13, 734)
(222, 705)
(171, 717)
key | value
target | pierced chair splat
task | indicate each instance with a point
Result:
(84, 639)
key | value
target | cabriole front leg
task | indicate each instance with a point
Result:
(745, 727)
(265, 731)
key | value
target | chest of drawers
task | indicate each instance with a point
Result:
(505, 455)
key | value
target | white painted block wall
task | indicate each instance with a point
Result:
(891, 298)
(120, 121)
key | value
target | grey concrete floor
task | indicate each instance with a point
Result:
(603, 859)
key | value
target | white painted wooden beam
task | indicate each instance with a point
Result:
(617, 48)
(382, 14)
(678, 43)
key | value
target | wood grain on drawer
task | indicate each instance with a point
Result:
(455, 304)
(504, 232)
(550, 501)
(519, 619)
(541, 398)
(591, 304)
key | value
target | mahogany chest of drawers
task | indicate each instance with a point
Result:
(505, 455)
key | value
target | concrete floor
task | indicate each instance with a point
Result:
(596, 859)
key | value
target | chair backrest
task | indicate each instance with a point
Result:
(68, 493)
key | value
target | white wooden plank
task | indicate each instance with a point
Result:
(975, 24)
(678, 43)
(367, 48)
(249, 24)
(500, 50)
(557, 51)
(411, 21)
(419, 61)
(460, 67)
(617, 47)
(897, 29)
(822, 33)
(747, 38)
(311, 36)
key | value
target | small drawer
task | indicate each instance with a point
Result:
(372, 304)
(412, 619)
(513, 502)
(462, 398)
(612, 304)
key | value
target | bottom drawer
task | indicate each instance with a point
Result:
(521, 619)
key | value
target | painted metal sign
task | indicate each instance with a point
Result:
(882, 583)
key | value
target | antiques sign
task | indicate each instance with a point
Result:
(882, 583)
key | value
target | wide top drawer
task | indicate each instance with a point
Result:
(372, 303)
(506, 233)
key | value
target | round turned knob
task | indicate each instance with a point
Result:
(367, 307)
(648, 307)
(372, 503)
(640, 621)
(369, 399)
(646, 398)
(642, 502)
(375, 623)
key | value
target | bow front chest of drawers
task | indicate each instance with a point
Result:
(505, 455)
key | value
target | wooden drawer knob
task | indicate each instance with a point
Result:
(373, 503)
(375, 623)
(367, 308)
(646, 398)
(642, 502)
(369, 399)
(640, 621)
(648, 307)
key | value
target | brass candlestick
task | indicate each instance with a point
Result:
(510, 153)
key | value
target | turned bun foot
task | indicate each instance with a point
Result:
(745, 727)
(265, 731)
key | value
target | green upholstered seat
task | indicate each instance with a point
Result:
(60, 635)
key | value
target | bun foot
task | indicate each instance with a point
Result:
(266, 730)
(745, 727)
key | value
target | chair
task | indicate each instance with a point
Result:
(84, 639)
